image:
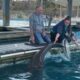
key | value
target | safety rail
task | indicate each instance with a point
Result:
(14, 34)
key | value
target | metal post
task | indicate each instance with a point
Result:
(6, 13)
(70, 12)
(77, 11)
(60, 11)
(70, 7)
(40, 2)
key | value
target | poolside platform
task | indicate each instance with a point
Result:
(13, 52)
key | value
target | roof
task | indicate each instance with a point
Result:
(64, 2)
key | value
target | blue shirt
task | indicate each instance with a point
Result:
(36, 22)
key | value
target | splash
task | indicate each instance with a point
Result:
(66, 54)
(21, 76)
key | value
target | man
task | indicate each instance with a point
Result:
(38, 34)
(61, 31)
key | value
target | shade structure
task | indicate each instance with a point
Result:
(64, 2)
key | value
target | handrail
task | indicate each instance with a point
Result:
(10, 32)
(14, 34)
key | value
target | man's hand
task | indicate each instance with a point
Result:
(57, 37)
(75, 41)
(32, 39)
(44, 33)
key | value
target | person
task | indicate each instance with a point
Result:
(61, 31)
(37, 30)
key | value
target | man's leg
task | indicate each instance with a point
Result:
(38, 38)
(46, 38)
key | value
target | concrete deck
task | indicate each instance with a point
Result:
(17, 47)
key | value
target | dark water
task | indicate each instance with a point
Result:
(51, 71)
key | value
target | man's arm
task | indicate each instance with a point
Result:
(59, 32)
(74, 39)
(56, 38)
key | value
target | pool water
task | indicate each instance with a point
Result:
(78, 35)
(51, 71)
